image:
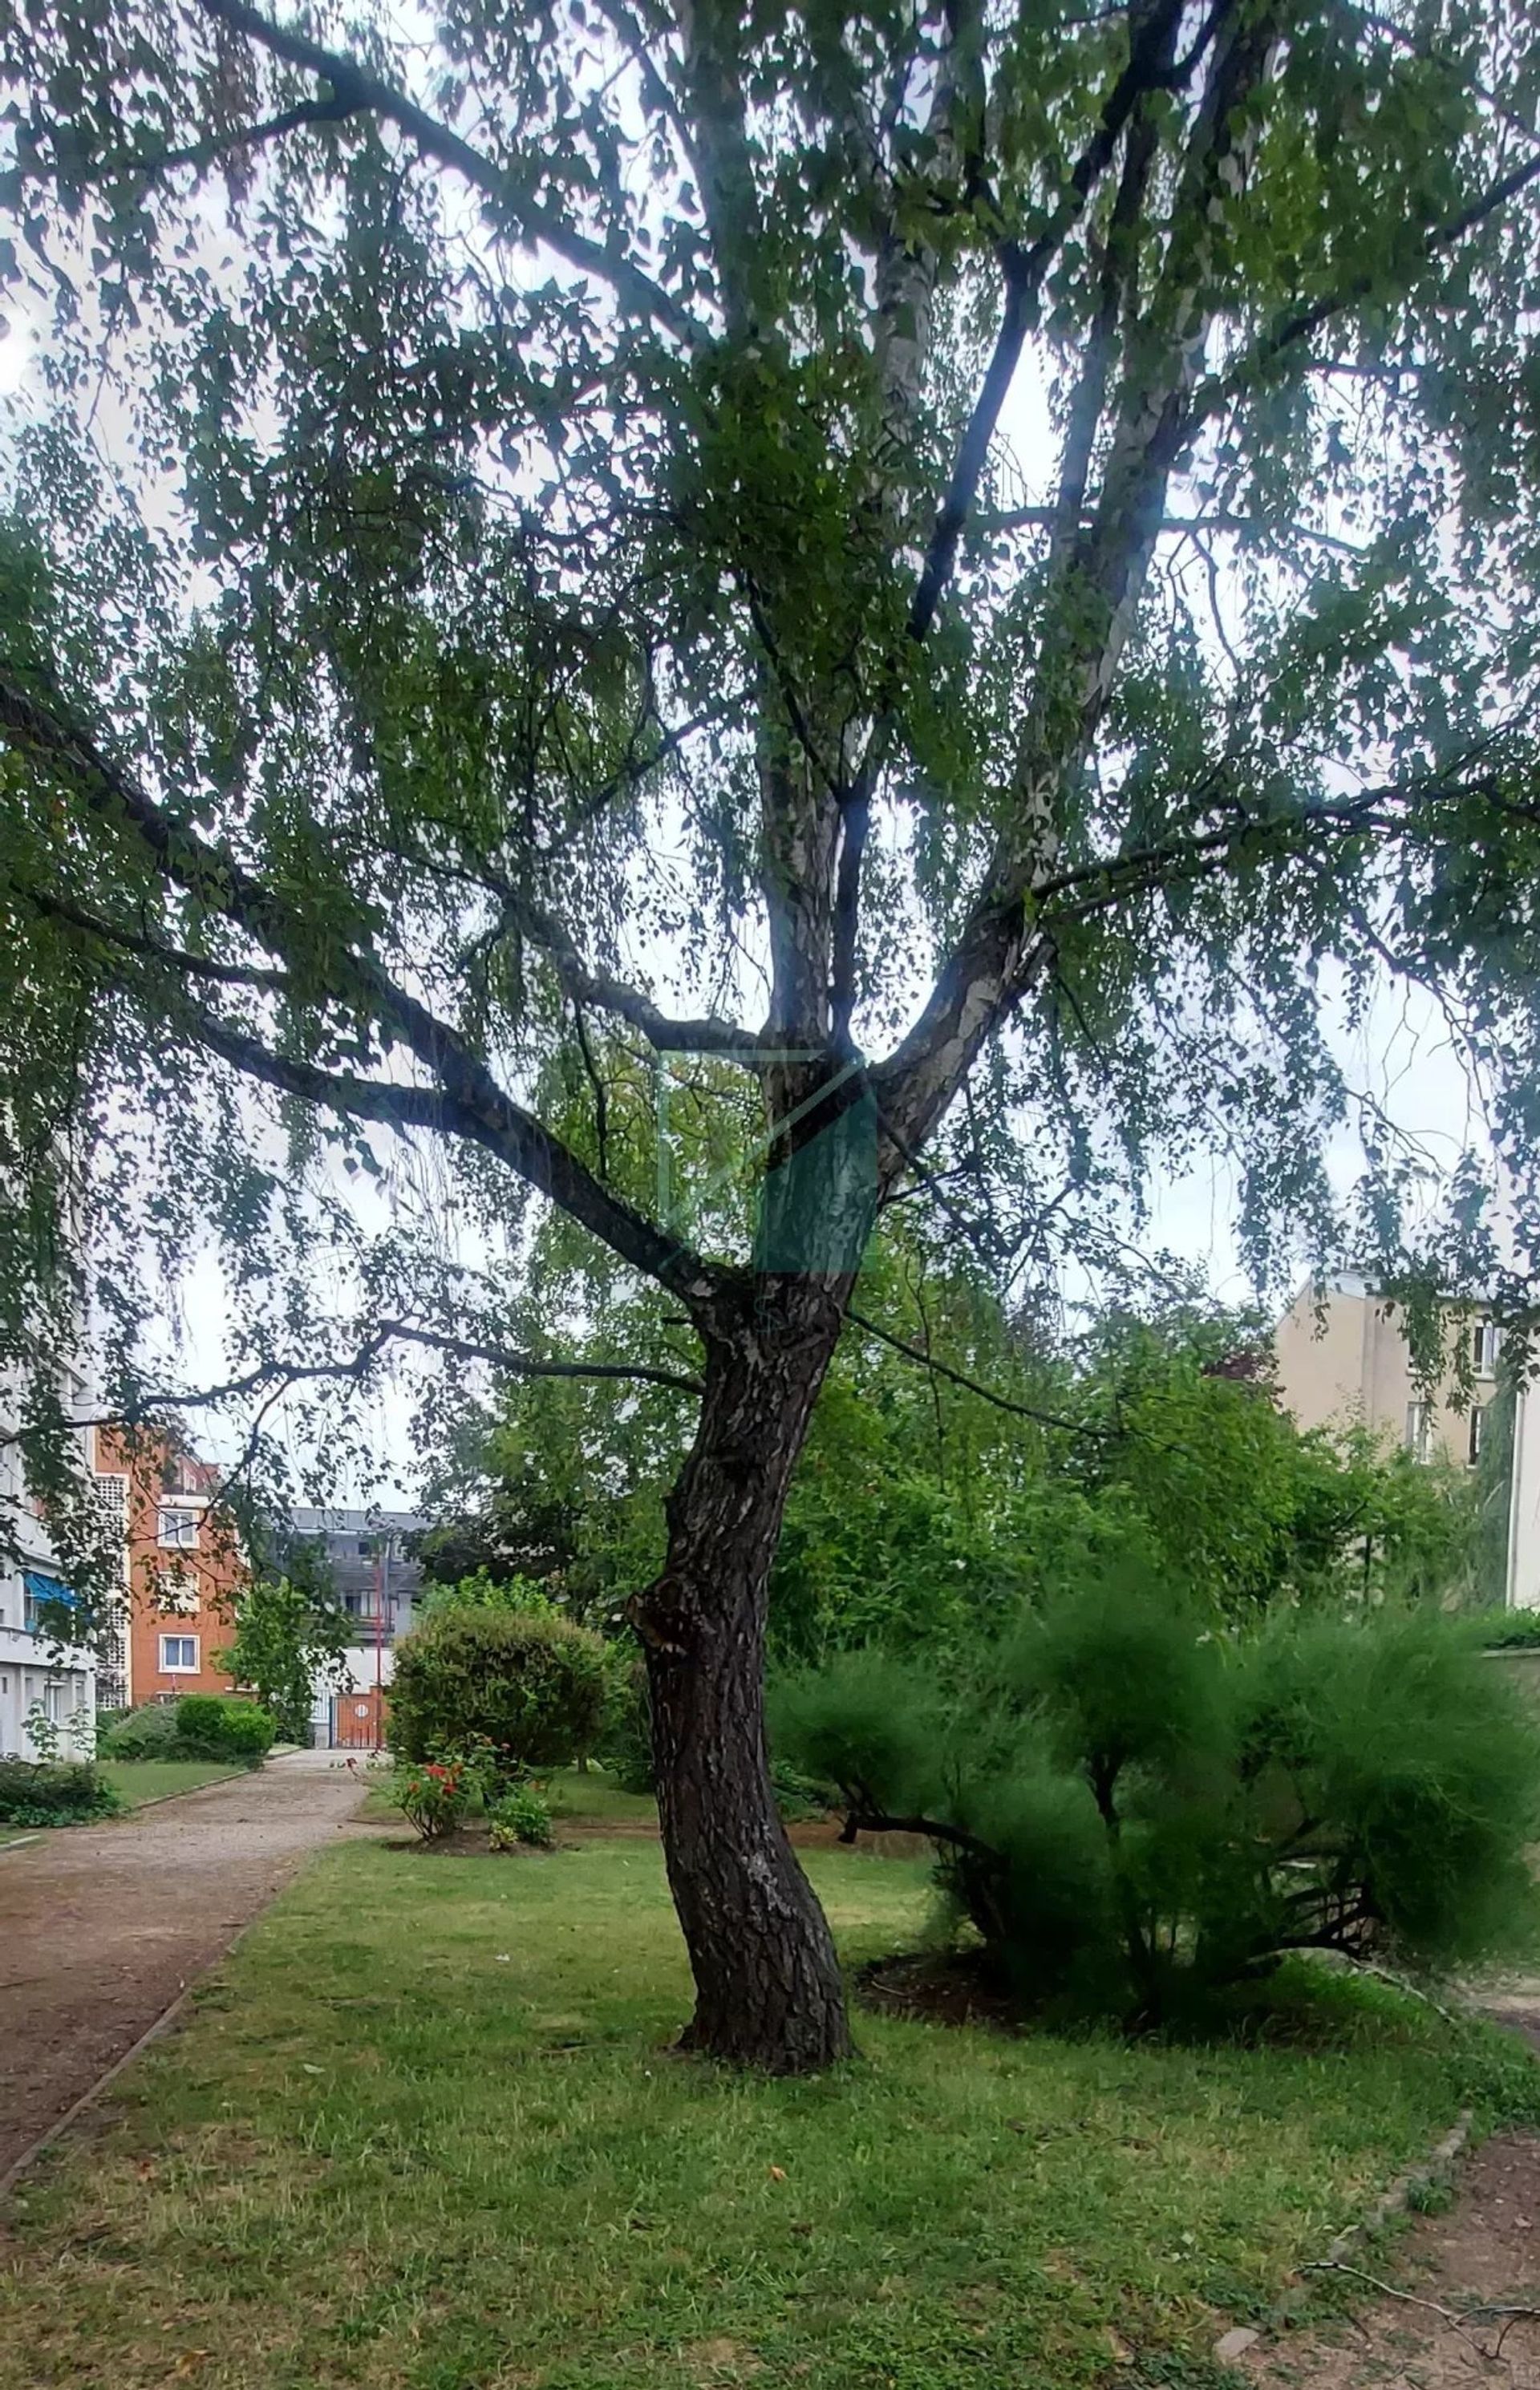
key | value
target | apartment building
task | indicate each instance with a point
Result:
(1340, 1355)
(43, 1676)
(183, 1566)
(1349, 1361)
(369, 1557)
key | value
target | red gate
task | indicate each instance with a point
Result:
(358, 1720)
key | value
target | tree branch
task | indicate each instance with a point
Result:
(971, 1385)
(146, 1407)
(466, 1102)
(1024, 269)
(1184, 527)
(709, 1035)
(361, 91)
(197, 154)
(1219, 388)
(1089, 613)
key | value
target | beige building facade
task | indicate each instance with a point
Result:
(1340, 1359)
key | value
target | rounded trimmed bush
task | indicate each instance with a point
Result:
(533, 1685)
(209, 1726)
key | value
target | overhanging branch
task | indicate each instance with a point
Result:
(465, 1099)
(268, 1376)
(361, 91)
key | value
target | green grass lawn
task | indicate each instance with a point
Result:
(423, 2133)
(137, 1780)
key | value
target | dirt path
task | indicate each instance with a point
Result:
(101, 1926)
(1486, 2248)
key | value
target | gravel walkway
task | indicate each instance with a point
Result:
(101, 1926)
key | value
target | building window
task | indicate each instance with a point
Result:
(53, 1703)
(1478, 1428)
(179, 1654)
(1483, 1350)
(177, 1531)
(1419, 1430)
(47, 1605)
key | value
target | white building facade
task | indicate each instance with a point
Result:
(48, 1685)
(376, 1580)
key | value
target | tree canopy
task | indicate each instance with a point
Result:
(510, 521)
(953, 578)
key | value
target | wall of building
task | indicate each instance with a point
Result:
(184, 1568)
(376, 1580)
(35, 1673)
(1352, 1367)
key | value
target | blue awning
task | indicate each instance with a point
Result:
(48, 1588)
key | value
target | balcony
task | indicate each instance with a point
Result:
(369, 1631)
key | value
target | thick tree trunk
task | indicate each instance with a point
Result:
(768, 1992)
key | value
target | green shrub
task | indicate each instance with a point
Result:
(434, 1795)
(39, 1793)
(211, 1726)
(531, 1686)
(798, 1797)
(199, 1726)
(522, 1816)
(1507, 1630)
(1135, 1811)
(520, 1595)
(147, 1733)
(623, 1744)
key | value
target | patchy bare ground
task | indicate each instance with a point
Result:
(1486, 2248)
(1437, 2325)
(101, 1926)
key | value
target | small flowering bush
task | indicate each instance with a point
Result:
(434, 1795)
(522, 1815)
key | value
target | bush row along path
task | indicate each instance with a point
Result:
(102, 1926)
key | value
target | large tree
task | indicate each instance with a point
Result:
(965, 565)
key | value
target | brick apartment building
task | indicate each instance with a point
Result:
(183, 1567)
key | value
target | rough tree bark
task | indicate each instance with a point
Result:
(768, 1991)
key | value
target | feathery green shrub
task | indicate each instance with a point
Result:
(1134, 1810)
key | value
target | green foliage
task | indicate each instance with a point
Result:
(533, 1685)
(218, 1726)
(148, 1732)
(798, 1797)
(289, 1636)
(434, 1795)
(1187, 1443)
(46, 1793)
(519, 1597)
(1506, 1631)
(922, 1514)
(199, 1726)
(522, 1817)
(1135, 1811)
(624, 1742)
